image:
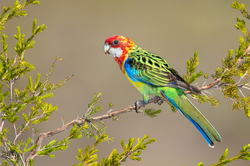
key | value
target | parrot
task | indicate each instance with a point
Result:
(152, 75)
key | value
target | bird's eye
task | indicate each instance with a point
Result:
(115, 42)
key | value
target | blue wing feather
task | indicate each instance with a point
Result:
(139, 75)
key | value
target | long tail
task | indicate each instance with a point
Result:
(178, 98)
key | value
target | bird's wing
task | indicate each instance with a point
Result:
(151, 69)
(148, 68)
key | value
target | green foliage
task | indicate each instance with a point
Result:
(23, 45)
(129, 151)
(53, 146)
(241, 25)
(206, 99)
(191, 76)
(241, 8)
(242, 103)
(114, 117)
(236, 68)
(75, 132)
(89, 156)
(192, 64)
(92, 108)
(151, 112)
(244, 155)
(233, 67)
(172, 106)
(94, 127)
(23, 108)
(16, 11)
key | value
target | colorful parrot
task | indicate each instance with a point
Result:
(151, 74)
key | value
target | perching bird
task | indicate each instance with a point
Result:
(151, 74)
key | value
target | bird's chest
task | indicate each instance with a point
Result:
(144, 88)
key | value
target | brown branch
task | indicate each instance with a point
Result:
(211, 85)
(40, 138)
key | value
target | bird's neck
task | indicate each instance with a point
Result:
(120, 61)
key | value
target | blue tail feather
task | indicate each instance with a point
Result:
(210, 143)
(206, 134)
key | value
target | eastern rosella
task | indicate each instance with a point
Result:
(151, 74)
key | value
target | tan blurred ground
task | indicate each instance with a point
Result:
(172, 29)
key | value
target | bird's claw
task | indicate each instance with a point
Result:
(138, 105)
(159, 100)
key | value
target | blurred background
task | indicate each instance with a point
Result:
(172, 29)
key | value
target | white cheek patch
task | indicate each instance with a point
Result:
(115, 52)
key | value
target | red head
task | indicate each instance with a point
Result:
(118, 47)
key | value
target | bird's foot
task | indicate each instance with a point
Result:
(138, 105)
(159, 100)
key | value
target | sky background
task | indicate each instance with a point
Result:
(172, 29)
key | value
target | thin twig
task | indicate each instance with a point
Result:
(246, 87)
(241, 92)
(207, 86)
(27, 124)
(242, 77)
(21, 159)
(11, 90)
(128, 154)
(15, 133)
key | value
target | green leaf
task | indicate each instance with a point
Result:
(223, 157)
(151, 112)
(53, 146)
(241, 8)
(5, 46)
(206, 76)
(34, 26)
(75, 132)
(245, 148)
(241, 25)
(92, 108)
(192, 64)
(25, 117)
(38, 83)
(30, 86)
(123, 145)
(200, 164)
(135, 158)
